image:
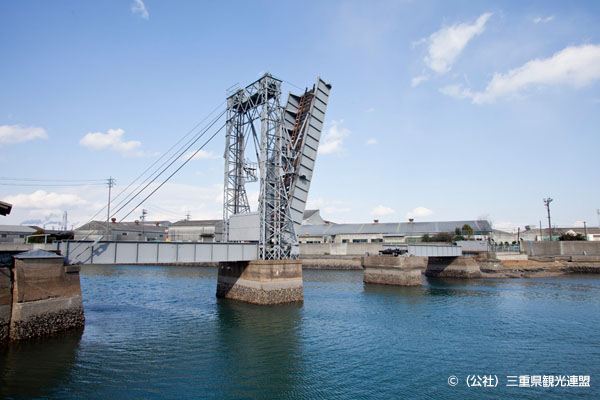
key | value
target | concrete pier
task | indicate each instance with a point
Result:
(5, 299)
(390, 270)
(261, 281)
(42, 294)
(453, 267)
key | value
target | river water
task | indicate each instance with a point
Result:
(159, 332)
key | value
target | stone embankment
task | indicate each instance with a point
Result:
(39, 296)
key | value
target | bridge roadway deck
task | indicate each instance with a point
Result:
(110, 252)
(126, 253)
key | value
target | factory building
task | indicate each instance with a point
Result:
(155, 231)
(196, 231)
(387, 233)
(15, 233)
(211, 230)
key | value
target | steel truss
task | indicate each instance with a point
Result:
(277, 165)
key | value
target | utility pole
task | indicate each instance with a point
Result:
(585, 229)
(188, 216)
(547, 204)
(143, 218)
(541, 236)
(65, 227)
(110, 182)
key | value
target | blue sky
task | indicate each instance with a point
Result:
(440, 110)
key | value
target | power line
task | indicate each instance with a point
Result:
(50, 184)
(290, 83)
(4, 178)
(163, 210)
(174, 172)
(172, 162)
(153, 164)
(162, 156)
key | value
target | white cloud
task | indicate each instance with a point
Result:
(371, 141)
(328, 207)
(380, 211)
(416, 81)
(44, 200)
(19, 134)
(446, 44)
(370, 110)
(138, 7)
(456, 91)
(543, 20)
(333, 140)
(336, 210)
(202, 155)
(575, 66)
(419, 212)
(508, 226)
(113, 140)
(174, 200)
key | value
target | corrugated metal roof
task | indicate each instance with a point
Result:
(16, 229)
(206, 222)
(403, 228)
(121, 226)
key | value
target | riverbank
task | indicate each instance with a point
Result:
(541, 267)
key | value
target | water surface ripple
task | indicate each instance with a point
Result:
(159, 332)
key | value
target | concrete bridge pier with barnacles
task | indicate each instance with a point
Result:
(404, 265)
(39, 295)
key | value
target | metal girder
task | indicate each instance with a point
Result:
(288, 143)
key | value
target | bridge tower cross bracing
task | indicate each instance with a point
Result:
(286, 152)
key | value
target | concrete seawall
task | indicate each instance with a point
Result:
(39, 296)
(560, 248)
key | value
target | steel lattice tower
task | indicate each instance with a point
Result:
(281, 153)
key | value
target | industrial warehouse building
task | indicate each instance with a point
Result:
(124, 231)
(15, 233)
(396, 232)
(210, 230)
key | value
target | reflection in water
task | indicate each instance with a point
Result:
(260, 348)
(30, 368)
(411, 295)
(148, 271)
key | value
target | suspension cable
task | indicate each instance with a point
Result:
(174, 172)
(164, 154)
(171, 163)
